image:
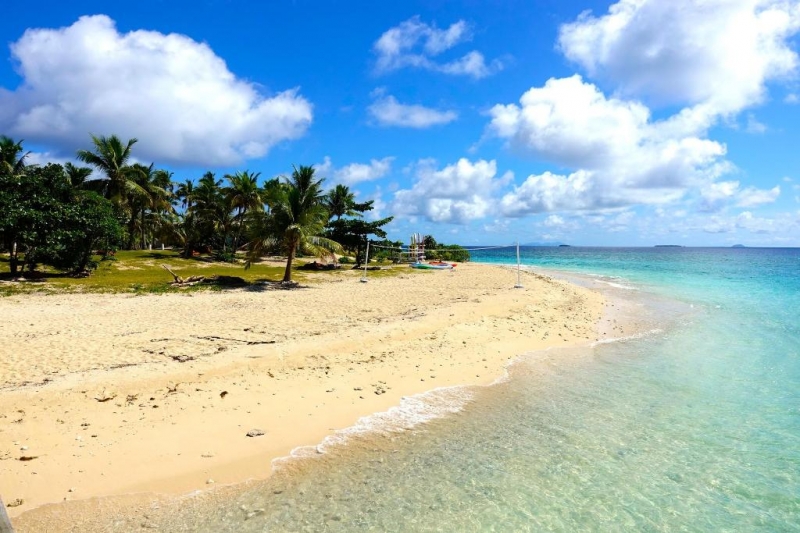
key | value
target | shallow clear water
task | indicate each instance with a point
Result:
(695, 428)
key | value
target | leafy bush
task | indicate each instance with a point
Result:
(226, 257)
(44, 218)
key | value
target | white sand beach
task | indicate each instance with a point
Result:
(105, 395)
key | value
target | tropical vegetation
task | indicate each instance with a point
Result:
(63, 216)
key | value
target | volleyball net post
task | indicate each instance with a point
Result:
(519, 271)
(366, 263)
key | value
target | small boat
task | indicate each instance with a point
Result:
(432, 266)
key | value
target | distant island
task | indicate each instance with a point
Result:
(564, 245)
(738, 246)
(669, 246)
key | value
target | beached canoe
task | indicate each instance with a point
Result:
(430, 266)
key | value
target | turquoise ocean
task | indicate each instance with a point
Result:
(692, 427)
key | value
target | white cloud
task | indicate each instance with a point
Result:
(498, 225)
(621, 156)
(718, 53)
(389, 112)
(754, 126)
(752, 197)
(717, 224)
(716, 196)
(457, 193)
(780, 228)
(620, 222)
(43, 158)
(754, 224)
(472, 64)
(355, 172)
(414, 43)
(791, 98)
(378, 207)
(559, 223)
(173, 93)
(715, 57)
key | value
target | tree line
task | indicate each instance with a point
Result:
(60, 215)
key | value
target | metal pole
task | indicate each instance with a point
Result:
(366, 262)
(5, 523)
(519, 273)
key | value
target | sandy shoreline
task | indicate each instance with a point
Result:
(94, 391)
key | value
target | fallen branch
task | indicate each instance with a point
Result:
(191, 280)
(177, 278)
(215, 338)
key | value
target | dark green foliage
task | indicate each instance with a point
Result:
(340, 201)
(44, 220)
(86, 225)
(352, 234)
(111, 158)
(387, 250)
(451, 252)
(57, 215)
(12, 160)
(295, 222)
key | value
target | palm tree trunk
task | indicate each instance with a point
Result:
(132, 231)
(287, 275)
(143, 236)
(239, 230)
(13, 262)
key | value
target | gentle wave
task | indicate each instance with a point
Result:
(412, 411)
(640, 335)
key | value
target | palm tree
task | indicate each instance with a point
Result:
(10, 159)
(159, 188)
(208, 218)
(244, 194)
(111, 157)
(184, 193)
(146, 209)
(77, 176)
(340, 201)
(297, 220)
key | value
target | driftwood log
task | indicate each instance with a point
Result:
(180, 281)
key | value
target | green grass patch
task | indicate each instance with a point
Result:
(140, 272)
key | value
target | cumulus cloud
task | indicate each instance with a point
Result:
(754, 224)
(715, 58)
(173, 93)
(414, 43)
(457, 193)
(717, 196)
(559, 223)
(355, 172)
(717, 53)
(622, 157)
(752, 197)
(387, 111)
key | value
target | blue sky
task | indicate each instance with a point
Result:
(637, 122)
